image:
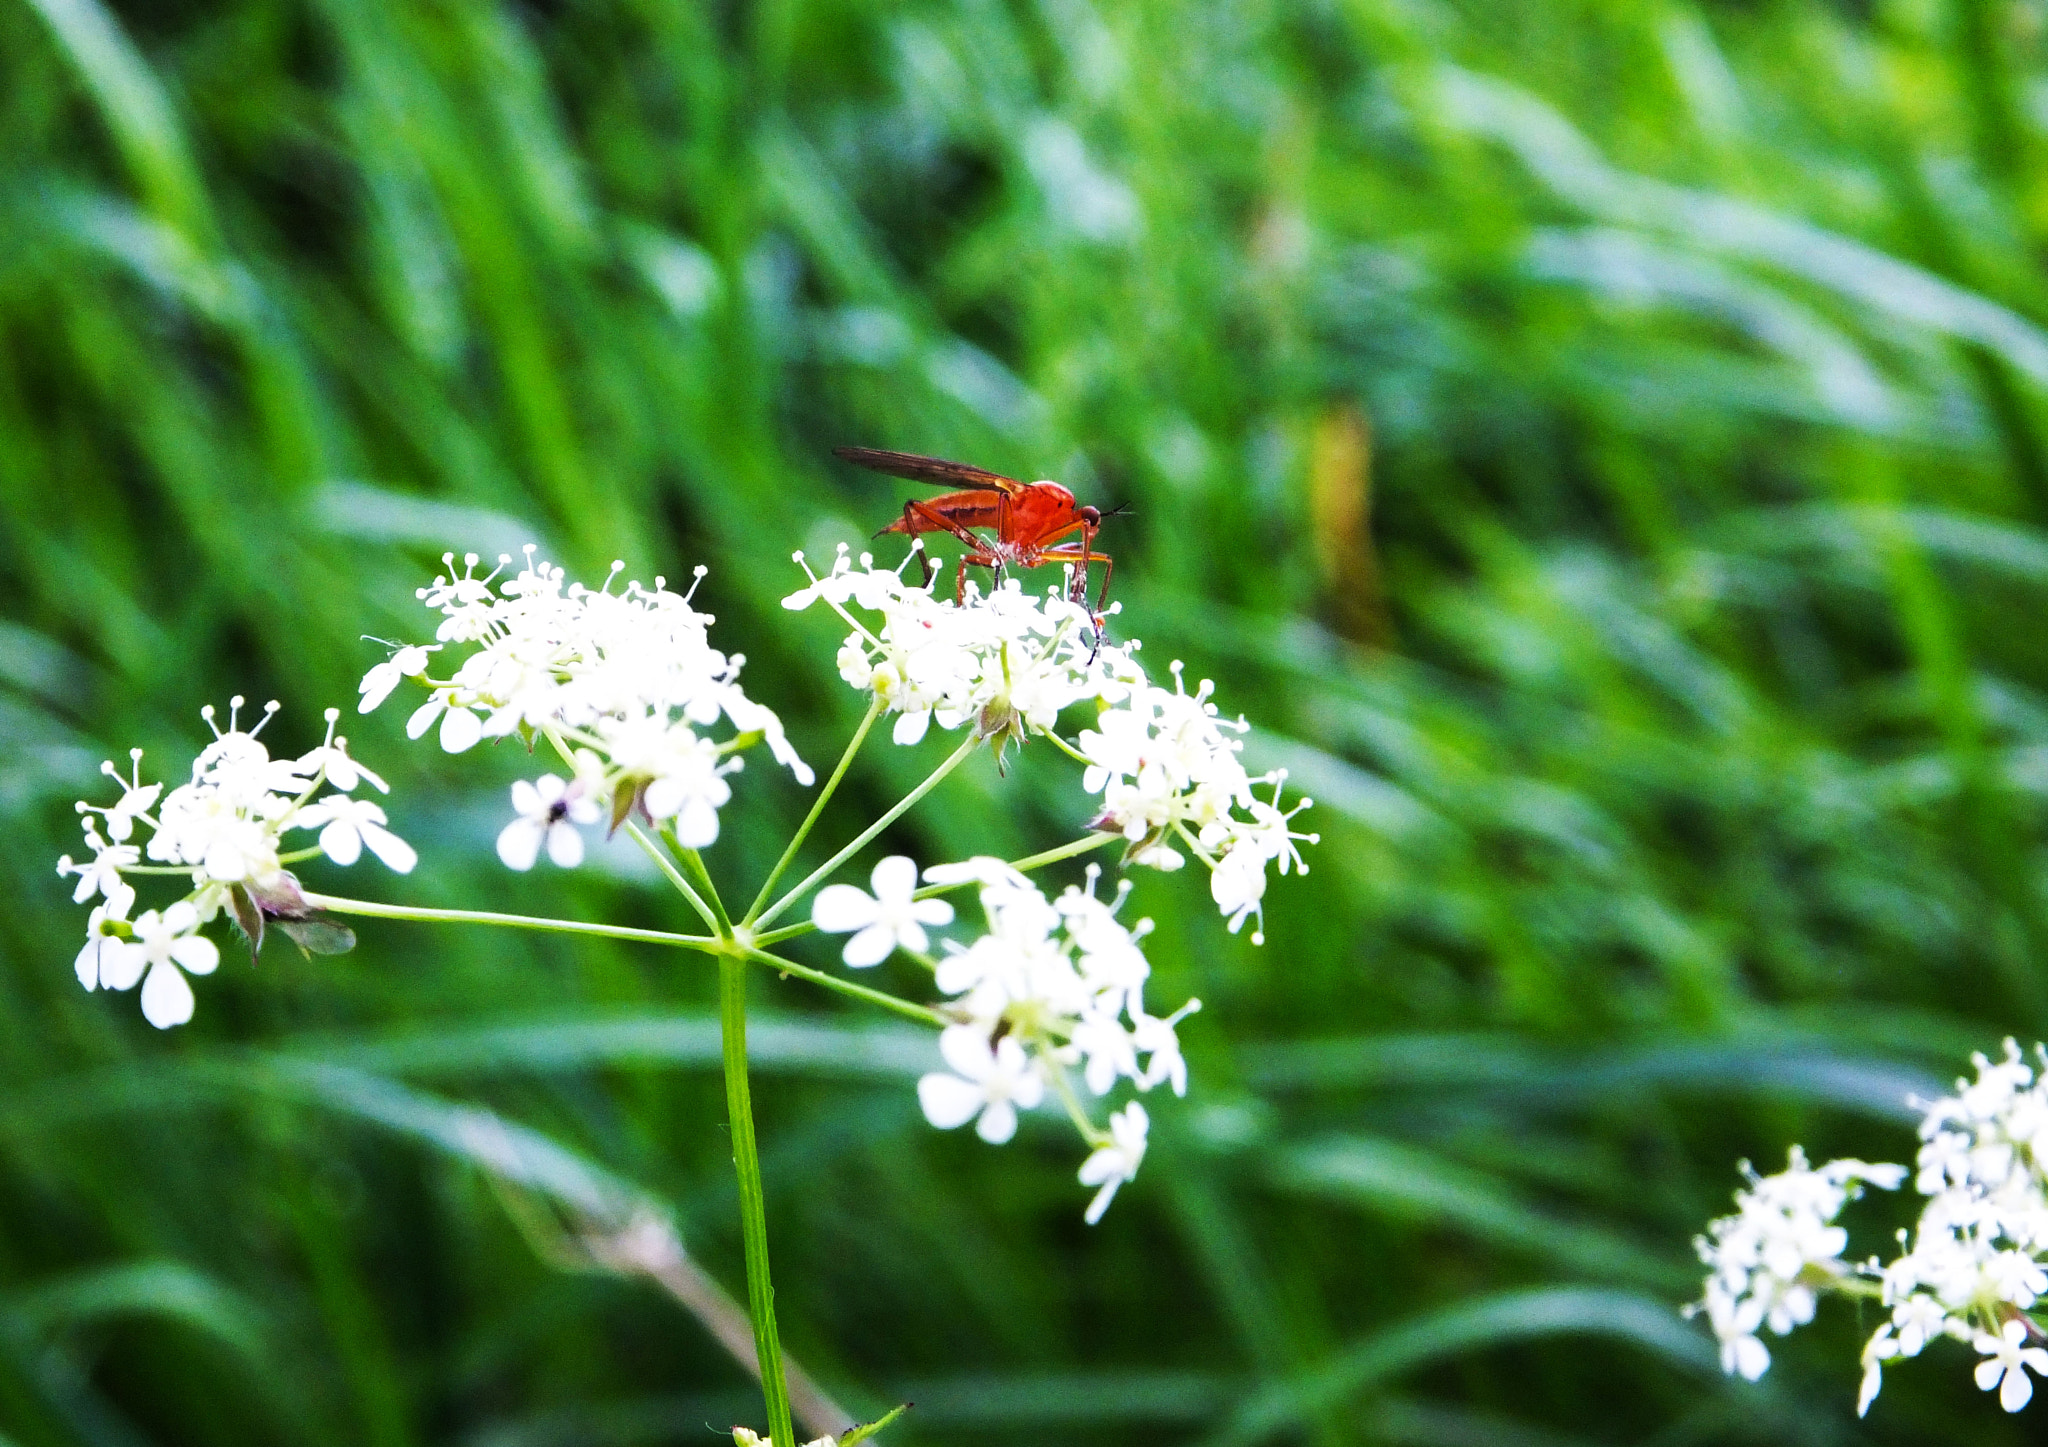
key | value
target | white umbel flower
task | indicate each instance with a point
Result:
(221, 831)
(1005, 661)
(162, 951)
(1767, 1260)
(2007, 1360)
(880, 922)
(1974, 1268)
(1055, 985)
(548, 814)
(625, 675)
(988, 1082)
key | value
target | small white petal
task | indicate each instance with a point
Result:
(697, 823)
(911, 727)
(966, 1049)
(840, 908)
(225, 863)
(376, 687)
(460, 729)
(423, 718)
(196, 953)
(341, 842)
(565, 845)
(2018, 1389)
(519, 844)
(895, 877)
(120, 964)
(166, 998)
(998, 1123)
(1100, 1204)
(932, 911)
(398, 856)
(87, 964)
(947, 1100)
(870, 947)
(527, 799)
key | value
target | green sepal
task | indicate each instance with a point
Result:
(625, 794)
(248, 919)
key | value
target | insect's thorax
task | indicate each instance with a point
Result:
(1037, 513)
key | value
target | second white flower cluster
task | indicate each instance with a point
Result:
(222, 831)
(1054, 989)
(625, 681)
(1972, 1269)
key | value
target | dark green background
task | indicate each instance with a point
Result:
(1599, 445)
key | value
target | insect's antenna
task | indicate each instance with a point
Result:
(1121, 510)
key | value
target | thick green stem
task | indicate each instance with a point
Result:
(338, 905)
(803, 830)
(903, 805)
(732, 1002)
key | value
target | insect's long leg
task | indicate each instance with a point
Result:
(1072, 553)
(924, 565)
(1004, 539)
(979, 559)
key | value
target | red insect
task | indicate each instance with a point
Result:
(1028, 519)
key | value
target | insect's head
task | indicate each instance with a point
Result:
(1090, 515)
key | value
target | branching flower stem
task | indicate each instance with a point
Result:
(1085, 844)
(693, 866)
(803, 830)
(671, 873)
(336, 904)
(908, 1009)
(901, 807)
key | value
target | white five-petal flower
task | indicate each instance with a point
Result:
(2006, 1358)
(548, 814)
(990, 1083)
(881, 921)
(162, 949)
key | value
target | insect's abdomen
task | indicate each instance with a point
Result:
(971, 508)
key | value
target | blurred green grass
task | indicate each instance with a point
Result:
(1599, 446)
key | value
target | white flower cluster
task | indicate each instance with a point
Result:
(1972, 1268)
(1054, 986)
(626, 680)
(1167, 767)
(223, 831)
(1009, 662)
(1005, 661)
(1767, 1260)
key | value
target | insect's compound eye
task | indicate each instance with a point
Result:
(1090, 516)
